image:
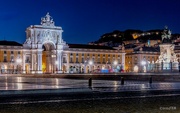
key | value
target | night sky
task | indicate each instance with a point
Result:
(84, 21)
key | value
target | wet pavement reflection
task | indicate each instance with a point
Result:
(29, 83)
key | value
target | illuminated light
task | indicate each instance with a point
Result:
(143, 63)
(19, 60)
(90, 62)
(115, 62)
(136, 69)
(19, 83)
(135, 36)
(115, 83)
(56, 62)
(57, 83)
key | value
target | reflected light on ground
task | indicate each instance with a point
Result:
(115, 84)
(19, 83)
(6, 84)
(57, 83)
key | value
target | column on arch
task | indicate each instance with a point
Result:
(24, 62)
(34, 63)
(39, 61)
(59, 61)
(67, 59)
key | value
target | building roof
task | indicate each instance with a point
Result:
(9, 43)
(84, 46)
(148, 49)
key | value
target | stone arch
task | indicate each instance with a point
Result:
(49, 45)
(46, 35)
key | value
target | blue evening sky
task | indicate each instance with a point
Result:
(84, 21)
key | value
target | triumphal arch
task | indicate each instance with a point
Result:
(46, 38)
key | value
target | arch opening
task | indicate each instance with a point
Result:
(49, 58)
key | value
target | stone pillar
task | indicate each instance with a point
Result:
(23, 63)
(48, 63)
(39, 62)
(59, 61)
(67, 59)
(32, 63)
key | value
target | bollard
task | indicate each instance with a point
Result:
(150, 80)
(90, 82)
(122, 81)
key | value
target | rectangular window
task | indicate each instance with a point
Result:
(108, 60)
(76, 59)
(64, 60)
(93, 60)
(12, 52)
(98, 60)
(82, 54)
(82, 60)
(5, 52)
(104, 60)
(76, 54)
(27, 59)
(71, 60)
(12, 58)
(19, 52)
(5, 58)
